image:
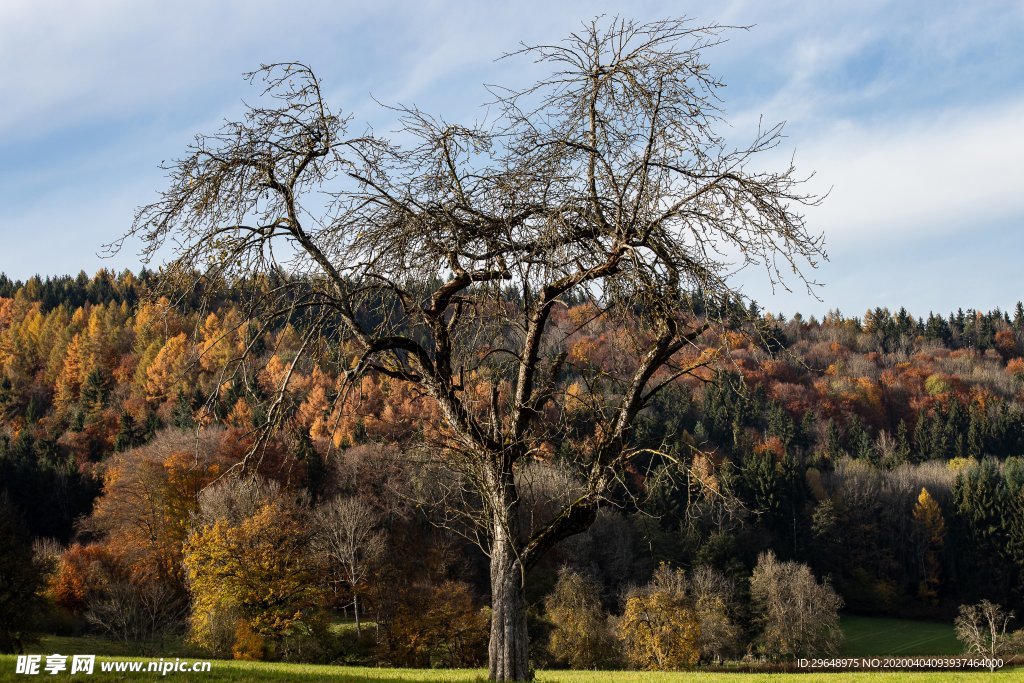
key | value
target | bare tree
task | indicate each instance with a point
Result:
(982, 628)
(714, 600)
(347, 532)
(799, 617)
(140, 613)
(447, 262)
(234, 501)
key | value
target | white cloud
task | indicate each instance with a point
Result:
(950, 171)
(69, 63)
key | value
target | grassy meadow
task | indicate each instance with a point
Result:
(233, 671)
(872, 636)
(865, 637)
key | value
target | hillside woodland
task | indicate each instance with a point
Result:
(872, 462)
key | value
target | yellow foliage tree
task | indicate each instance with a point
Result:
(659, 632)
(659, 628)
(146, 508)
(275, 374)
(219, 343)
(260, 569)
(153, 322)
(241, 415)
(313, 413)
(580, 636)
(69, 382)
(931, 530)
(169, 371)
(433, 625)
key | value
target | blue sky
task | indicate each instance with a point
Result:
(911, 112)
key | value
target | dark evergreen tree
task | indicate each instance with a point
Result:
(184, 410)
(833, 440)
(904, 451)
(152, 425)
(128, 434)
(316, 472)
(95, 390)
(20, 582)
(48, 488)
(980, 499)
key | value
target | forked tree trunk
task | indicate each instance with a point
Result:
(508, 652)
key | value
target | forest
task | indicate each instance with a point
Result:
(875, 462)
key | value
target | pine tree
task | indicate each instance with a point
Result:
(182, 415)
(153, 424)
(937, 328)
(128, 434)
(805, 433)
(833, 440)
(780, 424)
(860, 442)
(95, 391)
(955, 429)
(20, 581)
(1013, 517)
(980, 498)
(316, 471)
(903, 452)
(976, 432)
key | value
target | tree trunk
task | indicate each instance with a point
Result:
(508, 652)
(355, 608)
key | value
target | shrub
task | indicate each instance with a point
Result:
(248, 644)
(433, 625)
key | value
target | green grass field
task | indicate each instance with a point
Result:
(228, 671)
(871, 636)
(865, 636)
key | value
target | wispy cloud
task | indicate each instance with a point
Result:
(951, 171)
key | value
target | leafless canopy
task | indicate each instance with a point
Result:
(443, 261)
(984, 630)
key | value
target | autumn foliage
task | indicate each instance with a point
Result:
(880, 452)
(659, 627)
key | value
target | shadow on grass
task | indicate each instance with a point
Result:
(229, 671)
